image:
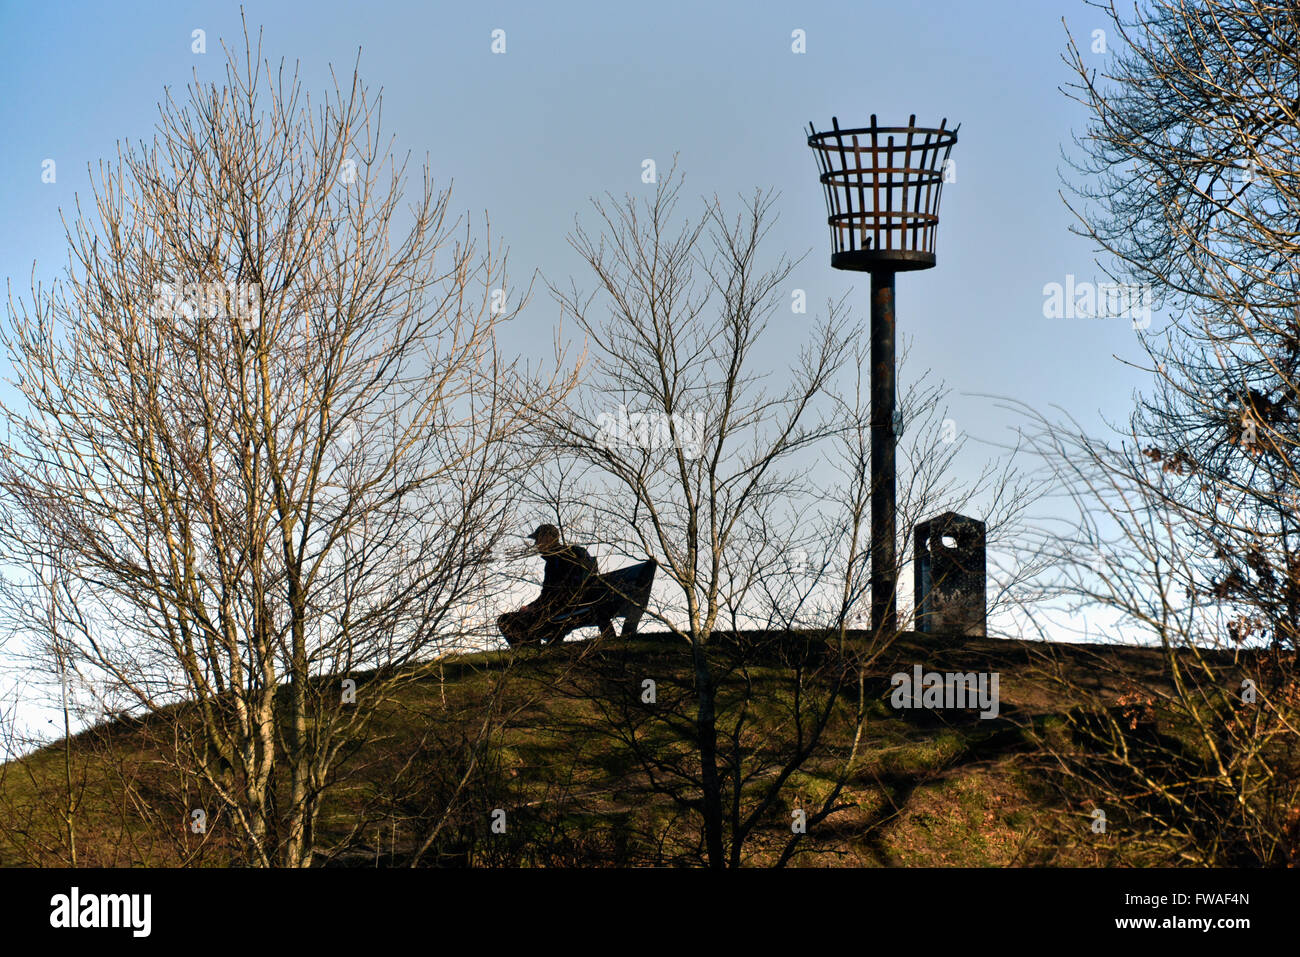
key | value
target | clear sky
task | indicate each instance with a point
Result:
(587, 90)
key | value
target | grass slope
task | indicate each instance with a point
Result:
(930, 788)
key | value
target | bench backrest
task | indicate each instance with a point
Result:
(629, 587)
(616, 594)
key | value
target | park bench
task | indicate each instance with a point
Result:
(622, 593)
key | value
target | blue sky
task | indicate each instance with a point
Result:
(586, 91)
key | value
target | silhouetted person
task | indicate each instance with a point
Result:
(568, 570)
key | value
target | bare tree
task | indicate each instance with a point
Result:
(1182, 717)
(264, 427)
(750, 487)
(1186, 537)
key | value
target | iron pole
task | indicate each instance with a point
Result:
(884, 613)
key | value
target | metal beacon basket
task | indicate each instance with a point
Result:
(883, 185)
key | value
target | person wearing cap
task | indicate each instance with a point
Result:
(568, 569)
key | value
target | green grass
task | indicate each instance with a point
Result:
(927, 789)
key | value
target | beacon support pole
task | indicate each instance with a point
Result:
(882, 186)
(884, 607)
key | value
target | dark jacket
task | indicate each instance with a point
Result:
(567, 571)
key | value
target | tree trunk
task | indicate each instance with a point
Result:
(706, 726)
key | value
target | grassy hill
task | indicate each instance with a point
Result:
(928, 788)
